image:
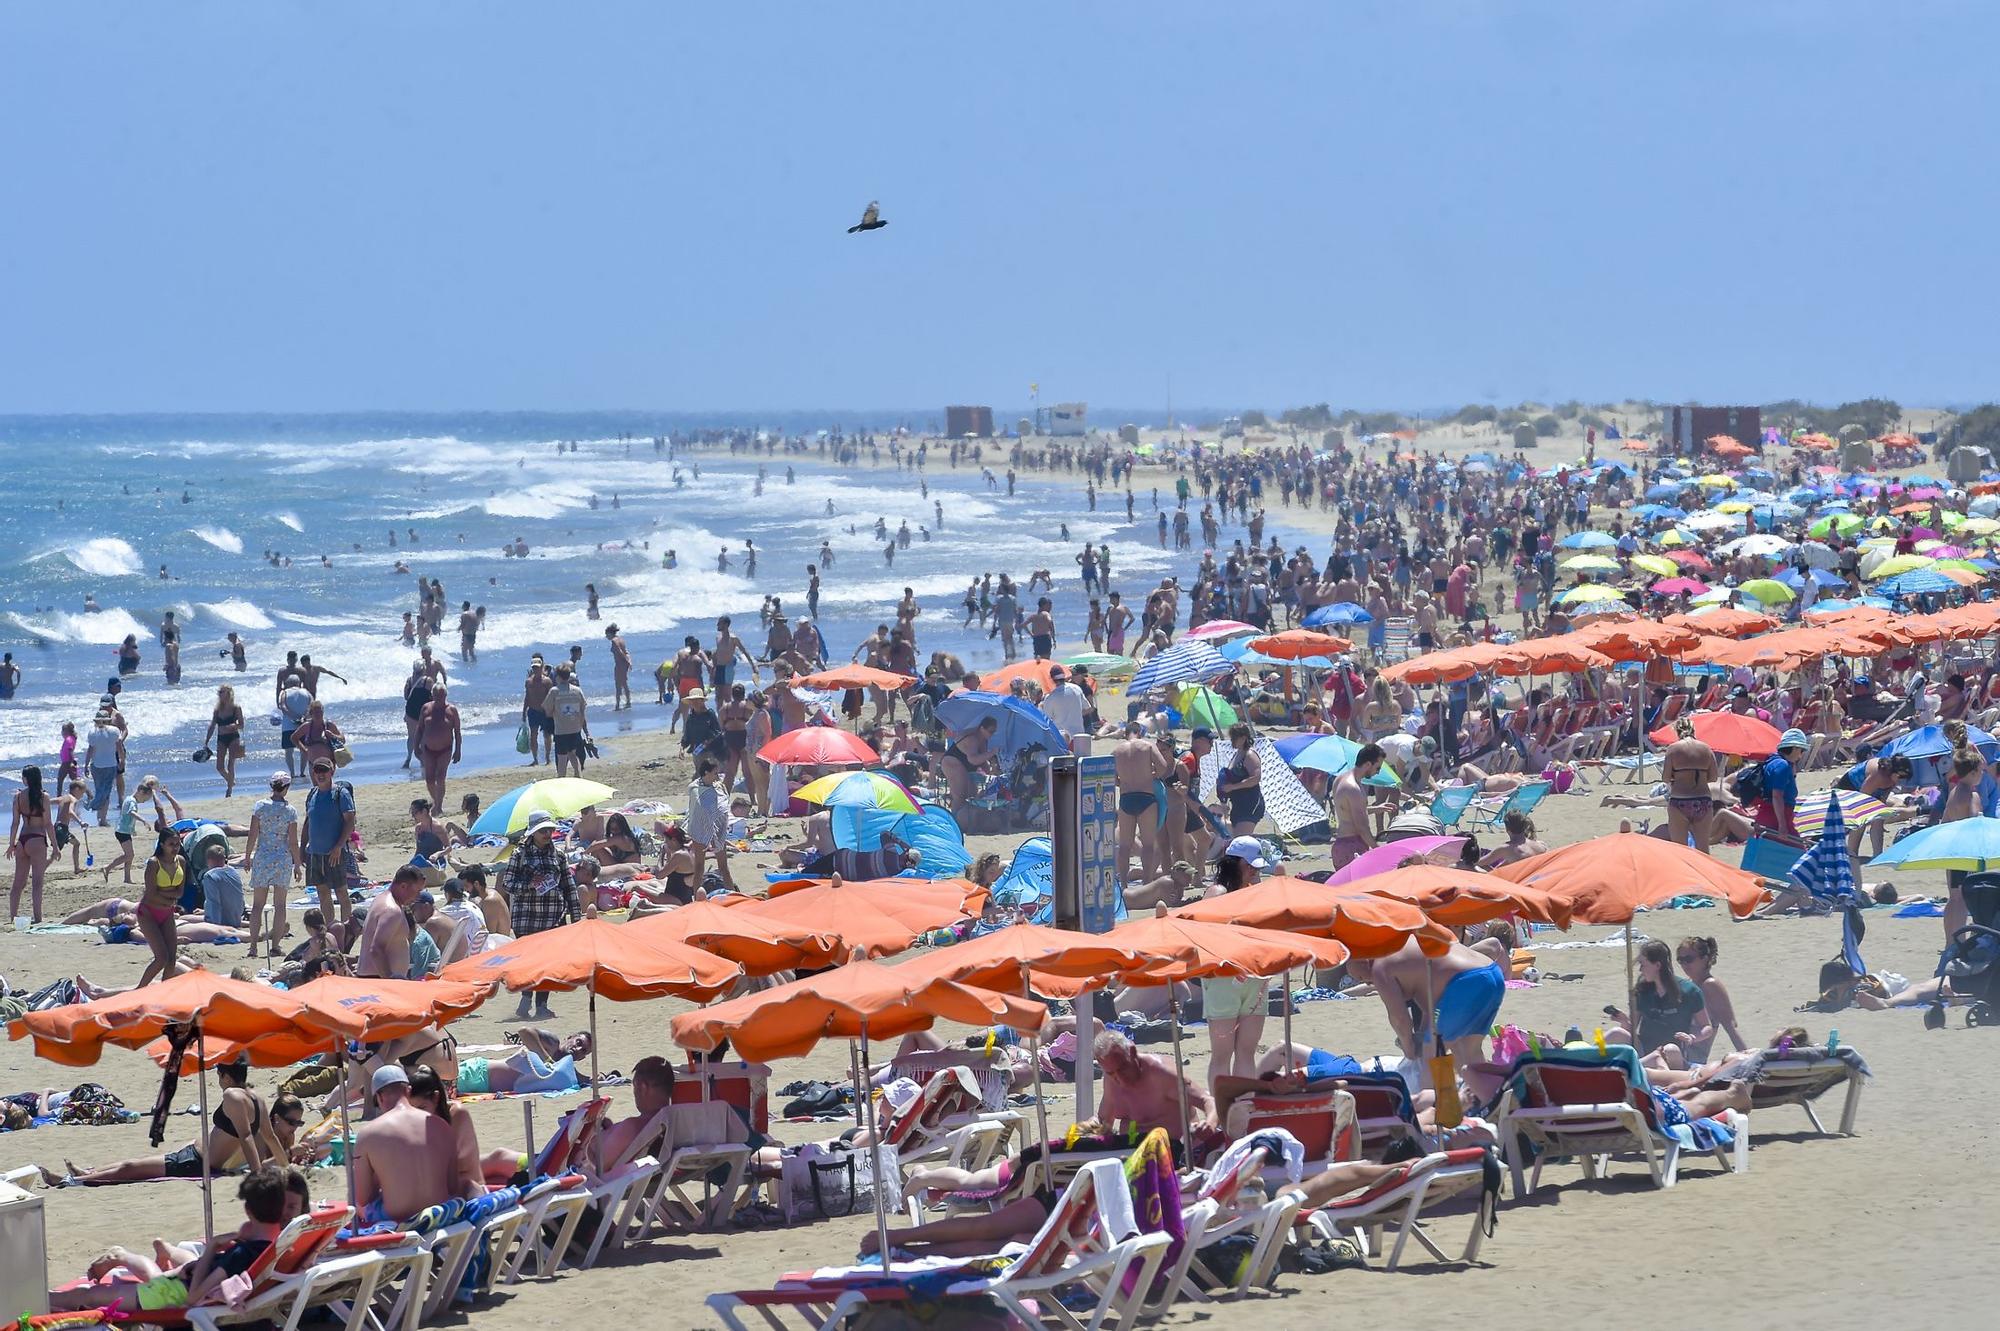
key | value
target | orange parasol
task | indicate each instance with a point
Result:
(1036, 672)
(1182, 948)
(1728, 622)
(760, 945)
(1900, 441)
(1608, 879)
(1635, 639)
(1912, 510)
(1296, 644)
(855, 677)
(1431, 668)
(1637, 446)
(1457, 898)
(871, 918)
(1002, 959)
(1728, 732)
(229, 1010)
(818, 746)
(1550, 656)
(1369, 926)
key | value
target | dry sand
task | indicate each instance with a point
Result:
(1827, 1231)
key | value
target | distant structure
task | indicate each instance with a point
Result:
(1688, 427)
(1064, 418)
(968, 422)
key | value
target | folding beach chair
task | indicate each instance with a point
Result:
(1384, 1114)
(1322, 1119)
(298, 1278)
(702, 1140)
(1230, 1202)
(1576, 1104)
(1488, 813)
(1074, 1246)
(1804, 1077)
(1450, 804)
(1401, 1198)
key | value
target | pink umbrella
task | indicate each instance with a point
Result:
(1675, 586)
(1395, 855)
(1221, 628)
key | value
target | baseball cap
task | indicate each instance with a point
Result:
(1201, 732)
(1250, 850)
(385, 1077)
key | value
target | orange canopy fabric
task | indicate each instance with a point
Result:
(760, 945)
(1430, 668)
(1727, 732)
(1900, 441)
(1550, 656)
(1606, 880)
(1185, 949)
(872, 918)
(343, 1007)
(229, 1011)
(862, 999)
(1002, 959)
(1296, 644)
(1367, 925)
(1728, 622)
(856, 677)
(1635, 639)
(1456, 897)
(613, 960)
(1000, 679)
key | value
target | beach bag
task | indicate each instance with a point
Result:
(522, 743)
(819, 1182)
(1748, 784)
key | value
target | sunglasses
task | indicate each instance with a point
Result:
(1685, 957)
(295, 1122)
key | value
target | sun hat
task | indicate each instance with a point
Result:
(1793, 739)
(539, 818)
(280, 779)
(1250, 850)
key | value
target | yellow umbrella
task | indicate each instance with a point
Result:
(1717, 481)
(1590, 564)
(1733, 506)
(1658, 565)
(1979, 526)
(1895, 564)
(1591, 592)
(1769, 591)
(1674, 537)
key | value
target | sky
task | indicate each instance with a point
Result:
(455, 206)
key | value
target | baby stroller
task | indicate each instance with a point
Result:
(1970, 962)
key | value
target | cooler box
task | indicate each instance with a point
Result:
(24, 1253)
(740, 1084)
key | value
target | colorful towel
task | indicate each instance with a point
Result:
(1156, 1197)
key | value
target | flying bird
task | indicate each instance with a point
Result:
(871, 219)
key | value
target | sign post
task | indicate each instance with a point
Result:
(1083, 845)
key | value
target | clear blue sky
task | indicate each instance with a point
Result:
(297, 206)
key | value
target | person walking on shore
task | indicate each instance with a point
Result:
(621, 669)
(569, 720)
(440, 742)
(535, 711)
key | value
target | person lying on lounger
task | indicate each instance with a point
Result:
(241, 1131)
(266, 1208)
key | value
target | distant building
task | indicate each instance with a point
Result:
(1688, 427)
(1068, 418)
(968, 422)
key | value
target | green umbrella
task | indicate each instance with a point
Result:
(1202, 706)
(1835, 522)
(1103, 663)
(1768, 591)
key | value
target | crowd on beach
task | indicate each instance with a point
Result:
(1681, 638)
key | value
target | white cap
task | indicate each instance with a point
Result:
(1250, 850)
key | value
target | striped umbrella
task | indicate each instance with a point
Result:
(1855, 808)
(1181, 663)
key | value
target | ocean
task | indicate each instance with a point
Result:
(101, 504)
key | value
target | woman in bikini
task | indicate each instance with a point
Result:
(619, 845)
(734, 715)
(964, 757)
(28, 841)
(241, 1131)
(225, 726)
(164, 876)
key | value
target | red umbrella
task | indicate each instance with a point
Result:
(818, 746)
(1728, 732)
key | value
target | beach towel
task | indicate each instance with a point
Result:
(1154, 1194)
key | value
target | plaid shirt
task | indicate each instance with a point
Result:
(541, 891)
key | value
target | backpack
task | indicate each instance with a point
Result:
(1748, 784)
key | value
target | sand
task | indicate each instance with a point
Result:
(1837, 1232)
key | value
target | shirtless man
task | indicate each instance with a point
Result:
(1042, 630)
(1352, 831)
(1117, 619)
(440, 743)
(385, 938)
(311, 673)
(405, 1159)
(468, 632)
(728, 650)
(534, 715)
(1143, 1090)
(1689, 767)
(1466, 986)
(621, 669)
(1139, 764)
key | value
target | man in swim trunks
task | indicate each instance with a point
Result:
(1042, 629)
(1467, 987)
(1139, 765)
(534, 712)
(1350, 806)
(1689, 767)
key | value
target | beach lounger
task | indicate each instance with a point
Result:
(1384, 1114)
(287, 1280)
(1805, 1077)
(921, 1131)
(553, 1212)
(1400, 1200)
(1228, 1203)
(1323, 1121)
(1073, 1246)
(1489, 813)
(1450, 804)
(1577, 1104)
(701, 1139)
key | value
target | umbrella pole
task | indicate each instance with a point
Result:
(875, 1156)
(1631, 982)
(1288, 1018)
(346, 1132)
(1180, 1080)
(1041, 1108)
(207, 1183)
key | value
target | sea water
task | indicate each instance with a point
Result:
(212, 499)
